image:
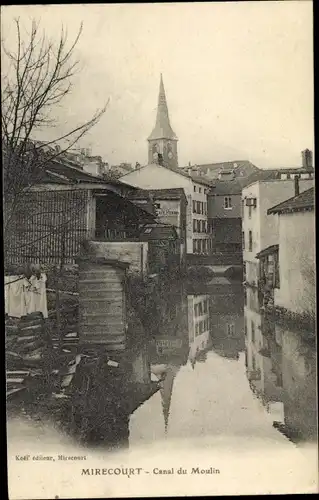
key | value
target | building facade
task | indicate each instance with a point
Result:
(295, 290)
(170, 206)
(224, 200)
(260, 230)
(157, 177)
(224, 216)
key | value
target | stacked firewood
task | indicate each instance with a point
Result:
(64, 326)
(26, 346)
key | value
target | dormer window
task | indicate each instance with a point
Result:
(226, 174)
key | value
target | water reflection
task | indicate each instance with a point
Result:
(223, 367)
(198, 327)
(273, 384)
(227, 322)
(280, 364)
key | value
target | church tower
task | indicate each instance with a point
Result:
(162, 143)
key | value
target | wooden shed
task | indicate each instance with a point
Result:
(102, 304)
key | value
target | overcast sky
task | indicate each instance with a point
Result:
(238, 76)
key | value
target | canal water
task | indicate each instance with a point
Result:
(227, 386)
(229, 401)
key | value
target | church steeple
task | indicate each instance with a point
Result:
(166, 392)
(163, 140)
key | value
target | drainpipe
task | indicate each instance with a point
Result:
(296, 180)
(142, 261)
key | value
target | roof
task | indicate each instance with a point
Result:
(244, 166)
(162, 129)
(227, 187)
(227, 165)
(167, 194)
(123, 166)
(302, 202)
(199, 179)
(267, 251)
(126, 204)
(275, 173)
(61, 172)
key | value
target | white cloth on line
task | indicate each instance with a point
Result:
(14, 296)
(24, 296)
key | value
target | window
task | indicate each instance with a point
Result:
(195, 310)
(243, 239)
(250, 248)
(194, 225)
(230, 329)
(194, 246)
(228, 203)
(252, 331)
(198, 207)
(194, 207)
(205, 306)
(205, 191)
(253, 363)
(199, 190)
(199, 246)
(194, 189)
(204, 246)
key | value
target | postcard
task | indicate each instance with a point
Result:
(159, 249)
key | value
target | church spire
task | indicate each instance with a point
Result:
(162, 129)
(166, 392)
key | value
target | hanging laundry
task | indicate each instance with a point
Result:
(14, 296)
(24, 296)
(39, 294)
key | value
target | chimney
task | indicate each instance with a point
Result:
(296, 181)
(306, 156)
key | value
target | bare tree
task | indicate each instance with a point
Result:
(39, 76)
